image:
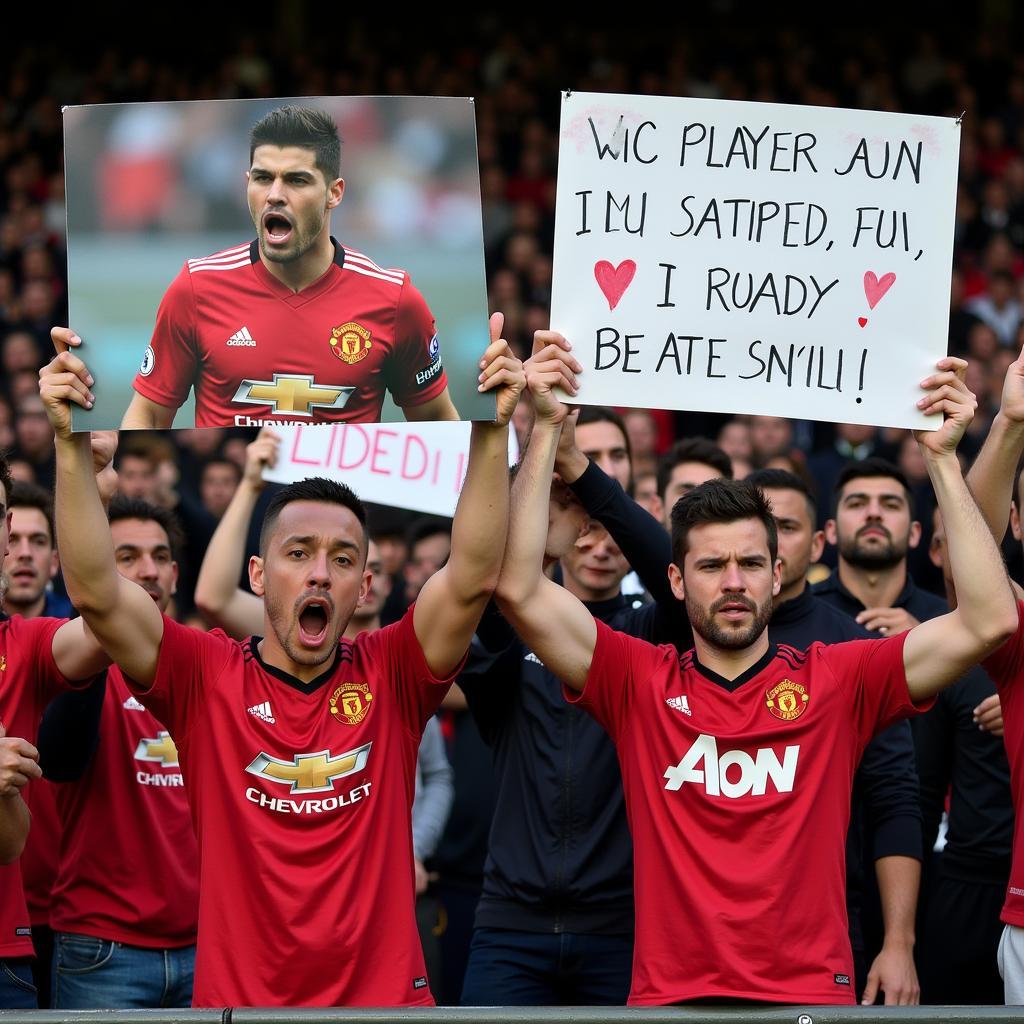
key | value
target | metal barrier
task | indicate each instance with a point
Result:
(535, 1015)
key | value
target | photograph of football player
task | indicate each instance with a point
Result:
(292, 326)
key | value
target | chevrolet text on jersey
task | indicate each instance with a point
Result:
(719, 780)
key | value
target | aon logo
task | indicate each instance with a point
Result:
(735, 773)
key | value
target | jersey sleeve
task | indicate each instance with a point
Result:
(396, 651)
(1006, 665)
(414, 372)
(619, 661)
(171, 362)
(35, 637)
(873, 675)
(189, 663)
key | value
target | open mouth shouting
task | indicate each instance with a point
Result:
(314, 618)
(277, 228)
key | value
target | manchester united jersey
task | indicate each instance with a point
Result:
(1006, 667)
(259, 353)
(301, 796)
(29, 680)
(128, 866)
(738, 796)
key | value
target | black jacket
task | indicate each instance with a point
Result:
(560, 857)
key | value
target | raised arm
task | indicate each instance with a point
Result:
(453, 599)
(994, 472)
(218, 595)
(553, 623)
(122, 616)
(939, 651)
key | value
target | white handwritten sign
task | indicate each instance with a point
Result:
(752, 257)
(417, 466)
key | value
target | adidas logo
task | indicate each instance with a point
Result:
(680, 704)
(263, 711)
(242, 337)
(131, 704)
(530, 656)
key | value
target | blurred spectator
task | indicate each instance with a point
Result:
(217, 485)
(35, 438)
(999, 309)
(769, 436)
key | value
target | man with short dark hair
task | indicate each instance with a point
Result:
(32, 561)
(688, 464)
(298, 749)
(126, 896)
(292, 327)
(737, 759)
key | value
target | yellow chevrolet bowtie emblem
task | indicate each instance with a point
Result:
(162, 750)
(311, 773)
(294, 393)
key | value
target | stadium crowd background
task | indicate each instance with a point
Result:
(969, 66)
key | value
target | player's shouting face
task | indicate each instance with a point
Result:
(311, 577)
(289, 200)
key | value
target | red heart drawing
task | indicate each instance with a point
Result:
(875, 288)
(862, 320)
(614, 281)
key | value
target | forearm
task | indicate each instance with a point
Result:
(522, 570)
(985, 603)
(83, 533)
(994, 472)
(481, 519)
(15, 820)
(222, 563)
(899, 879)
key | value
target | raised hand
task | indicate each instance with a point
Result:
(259, 454)
(950, 396)
(501, 372)
(551, 366)
(65, 379)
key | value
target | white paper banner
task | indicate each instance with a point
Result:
(754, 258)
(417, 466)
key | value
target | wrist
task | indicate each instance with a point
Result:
(1007, 426)
(572, 465)
(901, 940)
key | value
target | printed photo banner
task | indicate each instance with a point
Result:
(721, 256)
(415, 466)
(177, 243)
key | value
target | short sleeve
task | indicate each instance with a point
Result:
(873, 674)
(414, 373)
(619, 661)
(189, 663)
(171, 362)
(1006, 665)
(395, 650)
(35, 636)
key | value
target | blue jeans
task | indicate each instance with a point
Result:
(17, 989)
(509, 968)
(97, 974)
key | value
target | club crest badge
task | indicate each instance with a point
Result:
(787, 700)
(350, 342)
(350, 703)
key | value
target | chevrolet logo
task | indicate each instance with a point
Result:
(162, 750)
(294, 393)
(311, 773)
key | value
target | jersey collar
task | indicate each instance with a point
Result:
(732, 685)
(295, 299)
(286, 677)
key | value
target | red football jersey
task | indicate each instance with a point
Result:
(1006, 667)
(301, 796)
(39, 861)
(29, 680)
(129, 865)
(738, 797)
(259, 353)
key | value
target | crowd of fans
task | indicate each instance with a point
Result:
(516, 78)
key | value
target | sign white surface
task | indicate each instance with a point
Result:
(417, 466)
(754, 258)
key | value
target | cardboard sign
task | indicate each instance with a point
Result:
(754, 258)
(191, 241)
(416, 466)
